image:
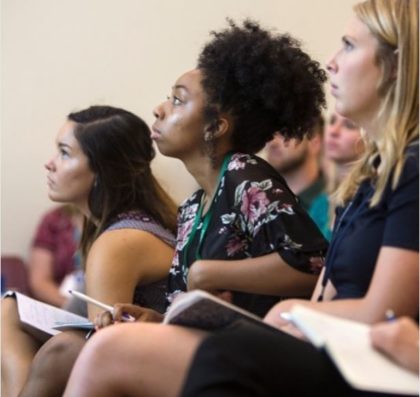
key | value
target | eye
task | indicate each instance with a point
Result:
(349, 125)
(63, 153)
(174, 100)
(348, 46)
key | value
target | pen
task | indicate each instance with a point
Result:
(390, 315)
(86, 298)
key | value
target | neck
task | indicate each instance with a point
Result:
(205, 172)
(84, 210)
(301, 178)
(342, 170)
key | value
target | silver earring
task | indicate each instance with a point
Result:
(208, 136)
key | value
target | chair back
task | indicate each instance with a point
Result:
(14, 275)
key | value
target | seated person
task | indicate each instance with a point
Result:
(299, 163)
(102, 166)
(343, 146)
(54, 254)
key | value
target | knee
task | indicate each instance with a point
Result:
(9, 312)
(62, 348)
(62, 345)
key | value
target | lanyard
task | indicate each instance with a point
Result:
(337, 239)
(207, 217)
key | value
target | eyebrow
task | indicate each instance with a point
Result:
(180, 86)
(347, 38)
(62, 144)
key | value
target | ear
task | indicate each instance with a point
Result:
(218, 128)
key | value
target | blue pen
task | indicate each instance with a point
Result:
(390, 315)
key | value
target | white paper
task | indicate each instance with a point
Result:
(43, 316)
(348, 343)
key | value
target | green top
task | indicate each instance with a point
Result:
(314, 200)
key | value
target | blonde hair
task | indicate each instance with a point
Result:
(394, 23)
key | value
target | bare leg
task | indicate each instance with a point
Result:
(52, 365)
(141, 360)
(18, 349)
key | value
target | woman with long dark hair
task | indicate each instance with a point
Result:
(102, 166)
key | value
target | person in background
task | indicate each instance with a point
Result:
(343, 145)
(299, 163)
(371, 266)
(54, 255)
(101, 166)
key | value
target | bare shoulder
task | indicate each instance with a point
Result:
(125, 242)
(142, 254)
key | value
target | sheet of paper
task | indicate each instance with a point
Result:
(348, 343)
(43, 316)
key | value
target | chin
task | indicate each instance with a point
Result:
(57, 199)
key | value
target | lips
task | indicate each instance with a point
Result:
(156, 134)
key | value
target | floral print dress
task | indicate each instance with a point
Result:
(253, 213)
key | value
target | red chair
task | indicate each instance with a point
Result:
(14, 275)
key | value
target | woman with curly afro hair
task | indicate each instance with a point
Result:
(243, 235)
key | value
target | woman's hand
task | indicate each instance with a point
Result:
(274, 318)
(199, 275)
(122, 310)
(398, 339)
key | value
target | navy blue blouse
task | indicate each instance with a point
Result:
(360, 231)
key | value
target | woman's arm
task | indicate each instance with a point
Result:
(41, 280)
(120, 260)
(267, 274)
(329, 292)
(394, 286)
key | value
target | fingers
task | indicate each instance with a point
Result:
(225, 295)
(126, 312)
(103, 319)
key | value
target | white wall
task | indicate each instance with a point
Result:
(64, 55)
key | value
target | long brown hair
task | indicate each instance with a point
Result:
(119, 148)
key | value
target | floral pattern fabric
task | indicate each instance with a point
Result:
(254, 213)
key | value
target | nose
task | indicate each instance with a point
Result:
(49, 165)
(334, 129)
(158, 111)
(332, 65)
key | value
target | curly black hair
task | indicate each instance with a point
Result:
(264, 80)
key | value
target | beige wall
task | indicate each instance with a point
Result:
(63, 55)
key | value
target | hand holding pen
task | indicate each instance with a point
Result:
(108, 308)
(120, 312)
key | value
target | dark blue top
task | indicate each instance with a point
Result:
(360, 231)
